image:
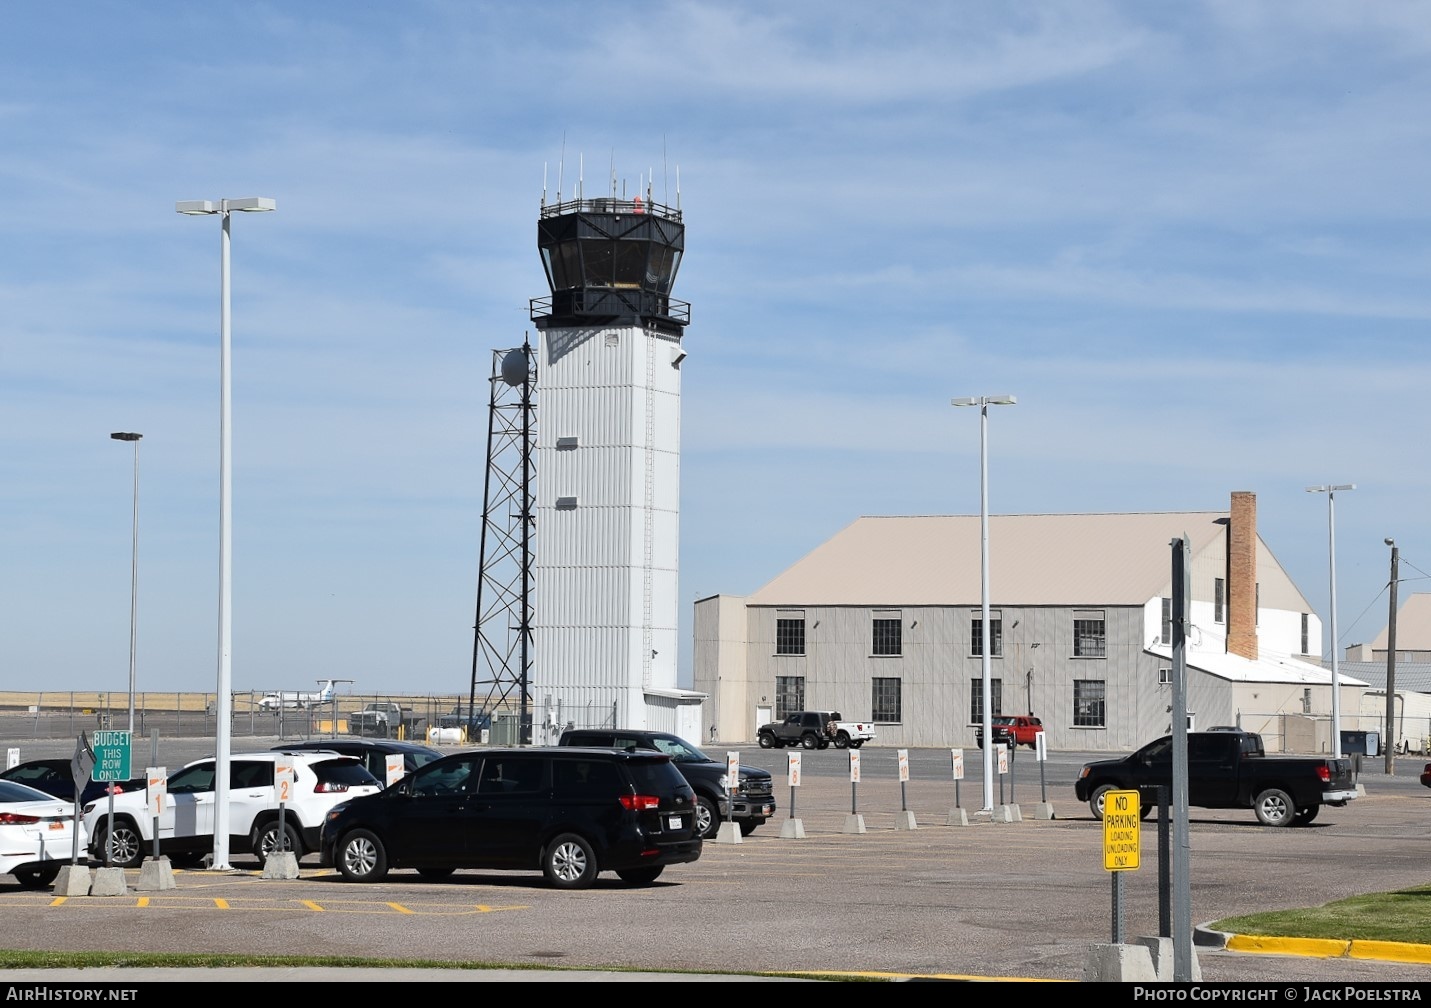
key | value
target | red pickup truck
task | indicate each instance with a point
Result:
(1012, 730)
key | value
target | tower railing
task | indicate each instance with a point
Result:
(611, 205)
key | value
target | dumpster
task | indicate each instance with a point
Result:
(1361, 743)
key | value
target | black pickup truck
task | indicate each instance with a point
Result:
(754, 799)
(1226, 770)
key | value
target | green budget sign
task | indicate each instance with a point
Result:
(111, 756)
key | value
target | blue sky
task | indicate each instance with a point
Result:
(1191, 238)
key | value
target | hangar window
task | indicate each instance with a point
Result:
(789, 695)
(790, 633)
(887, 634)
(976, 633)
(1088, 703)
(886, 702)
(976, 699)
(1089, 634)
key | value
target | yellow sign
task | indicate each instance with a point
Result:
(1121, 820)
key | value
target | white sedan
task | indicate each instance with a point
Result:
(37, 835)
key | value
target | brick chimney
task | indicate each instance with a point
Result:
(1242, 575)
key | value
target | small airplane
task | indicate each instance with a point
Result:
(298, 700)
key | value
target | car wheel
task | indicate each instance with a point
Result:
(747, 826)
(809, 741)
(1306, 815)
(361, 857)
(436, 874)
(766, 741)
(36, 876)
(125, 846)
(569, 863)
(640, 876)
(189, 858)
(855, 744)
(267, 841)
(842, 740)
(1095, 802)
(707, 818)
(1274, 808)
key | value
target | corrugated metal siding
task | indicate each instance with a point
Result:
(606, 572)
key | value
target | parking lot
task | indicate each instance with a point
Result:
(992, 899)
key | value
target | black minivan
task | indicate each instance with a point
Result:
(567, 812)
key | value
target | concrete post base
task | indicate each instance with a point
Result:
(1160, 949)
(792, 829)
(905, 820)
(1008, 813)
(73, 880)
(1119, 964)
(729, 832)
(281, 865)
(155, 874)
(1044, 810)
(854, 823)
(108, 882)
(957, 817)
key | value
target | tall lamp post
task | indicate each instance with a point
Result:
(223, 701)
(987, 638)
(133, 571)
(1388, 741)
(1331, 491)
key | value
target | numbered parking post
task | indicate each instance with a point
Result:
(1121, 845)
(957, 815)
(156, 793)
(283, 791)
(732, 782)
(792, 827)
(1001, 755)
(394, 769)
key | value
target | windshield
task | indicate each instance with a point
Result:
(680, 750)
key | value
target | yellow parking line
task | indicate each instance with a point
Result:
(143, 901)
(401, 909)
(221, 904)
(312, 906)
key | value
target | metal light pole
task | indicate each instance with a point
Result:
(986, 645)
(1331, 491)
(133, 572)
(223, 701)
(1388, 740)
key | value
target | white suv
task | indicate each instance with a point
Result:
(186, 827)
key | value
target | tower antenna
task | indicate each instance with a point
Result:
(561, 166)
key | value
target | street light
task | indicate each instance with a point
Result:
(1331, 491)
(223, 702)
(1389, 739)
(987, 644)
(133, 572)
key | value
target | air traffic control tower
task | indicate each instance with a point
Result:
(608, 468)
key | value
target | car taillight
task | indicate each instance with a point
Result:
(640, 802)
(16, 819)
(329, 787)
(1325, 773)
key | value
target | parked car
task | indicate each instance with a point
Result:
(567, 812)
(37, 832)
(373, 752)
(54, 777)
(754, 796)
(1012, 730)
(1426, 775)
(320, 781)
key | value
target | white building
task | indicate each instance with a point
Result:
(883, 622)
(608, 462)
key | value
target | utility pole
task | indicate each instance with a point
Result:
(1388, 742)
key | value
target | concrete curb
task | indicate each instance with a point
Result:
(1320, 948)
